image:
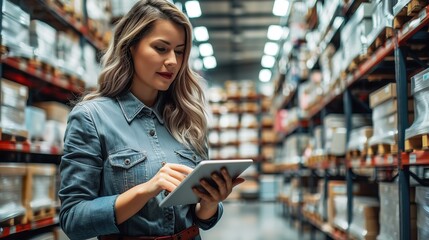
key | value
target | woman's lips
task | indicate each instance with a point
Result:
(166, 75)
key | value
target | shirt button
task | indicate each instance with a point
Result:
(194, 157)
(152, 132)
(127, 161)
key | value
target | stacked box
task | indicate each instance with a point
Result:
(35, 121)
(40, 191)
(355, 33)
(389, 217)
(69, 54)
(422, 199)
(293, 148)
(365, 224)
(359, 139)
(382, 19)
(13, 101)
(11, 188)
(15, 30)
(384, 117)
(420, 90)
(43, 40)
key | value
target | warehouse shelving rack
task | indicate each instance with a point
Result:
(401, 163)
(42, 86)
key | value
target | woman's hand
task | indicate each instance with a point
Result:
(212, 195)
(168, 178)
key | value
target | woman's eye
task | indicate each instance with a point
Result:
(160, 49)
(179, 52)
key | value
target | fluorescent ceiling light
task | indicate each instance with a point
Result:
(193, 9)
(197, 64)
(206, 49)
(265, 75)
(275, 32)
(271, 48)
(268, 61)
(281, 7)
(201, 34)
(209, 62)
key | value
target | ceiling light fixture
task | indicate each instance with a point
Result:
(275, 32)
(201, 34)
(209, 62)
(206, 49)
(271, 48)
(265, 75)
(280, 7)
(268, 61)
(193, 9)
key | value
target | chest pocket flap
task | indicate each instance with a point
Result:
(189, 155)
(126, 158)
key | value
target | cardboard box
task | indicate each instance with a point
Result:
(55, 111)
(383, 94)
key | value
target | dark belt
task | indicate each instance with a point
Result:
(187, 234)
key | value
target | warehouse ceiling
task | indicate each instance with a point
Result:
(237, 28)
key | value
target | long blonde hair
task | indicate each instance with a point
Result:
(184, 102)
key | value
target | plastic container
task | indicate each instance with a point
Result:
(11, 189)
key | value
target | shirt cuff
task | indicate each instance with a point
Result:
(211, 222)
(104, 218)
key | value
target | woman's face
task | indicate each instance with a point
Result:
(157, 59)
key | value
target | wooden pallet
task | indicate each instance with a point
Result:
(13, 135)
(420, 142)
(380, 40)
(354, 64)
(42, 213)
(21, 219)
(356, 153)
(408, 12)
(381, 149)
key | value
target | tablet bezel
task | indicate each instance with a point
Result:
(183, 193)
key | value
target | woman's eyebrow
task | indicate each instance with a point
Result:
(168, 43)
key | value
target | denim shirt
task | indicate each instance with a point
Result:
(110, 146)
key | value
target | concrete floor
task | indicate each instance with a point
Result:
(253, 221)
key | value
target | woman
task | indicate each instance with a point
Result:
(138, 136)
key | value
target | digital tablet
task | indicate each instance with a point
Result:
(183, 193)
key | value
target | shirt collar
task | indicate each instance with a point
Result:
(132, 107)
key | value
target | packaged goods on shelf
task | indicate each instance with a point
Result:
(92, 67)
(386, 129)
(248, 135)
(355, 32)
(214, 137)
(228, 152)
(252, 107)
(267, 120)
(383, 94)
(35, 121)
(359, 138)
(309, 93)
(98, 17)
(335, 132)
(230, 120)
(364, 225)
(389, 107)
(232, 89)
(247, 89)
(422, 199)
(338, 188)
(121, 7)
(230, 106)
(287, 118)
(69, 54)
(382, 19)
(43, 40)
(293, 148)
(338, 63)
(229, 136)
(213, 121)
(216, 94)
(389, 217)
(248, 150)
(12, 177)
(419, 90)
(13, 94)
(15, 30)
(316, 141)
(268, 136)
(40, 190)
(327, 13)
(329, 83)
(12, 119)
(248, 120)
(400, 6)
(53, 135)
(55, 111)
(268, 153)
(340, 209)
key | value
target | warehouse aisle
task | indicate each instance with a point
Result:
(252, 221)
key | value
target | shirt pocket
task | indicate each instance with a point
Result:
(188, 157)
(128, 168)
